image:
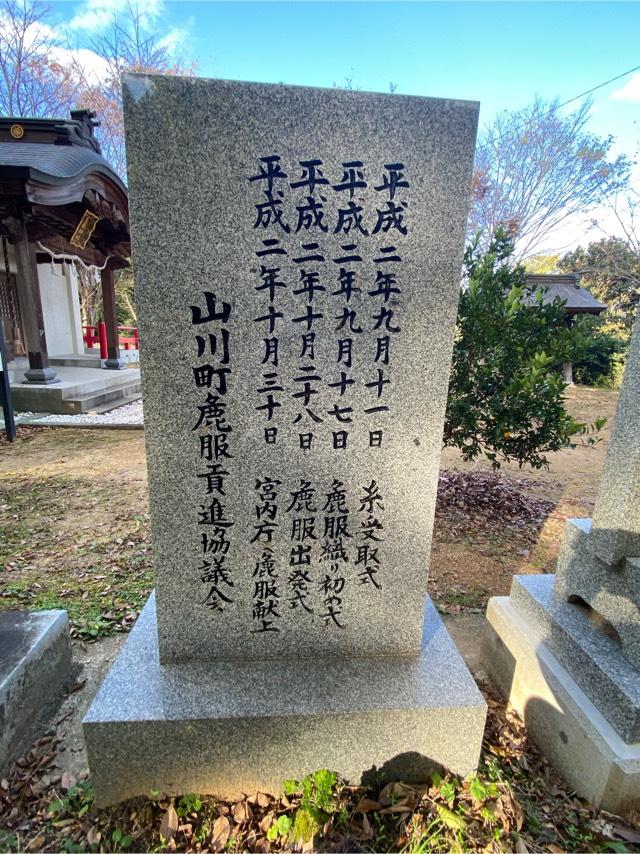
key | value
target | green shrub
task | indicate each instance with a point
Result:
(506, 394)
(603, 360)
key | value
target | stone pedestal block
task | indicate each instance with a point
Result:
(224, 727)
(613, 592)
(577, 693)
(35, 660)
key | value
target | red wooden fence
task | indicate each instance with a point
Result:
(96, 336)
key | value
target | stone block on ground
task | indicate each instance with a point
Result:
(616, 515)
(35, 664)
(565, 649)
(298, 255)
(612, 592)
(224, 727)
(566, 725)
(583, 644)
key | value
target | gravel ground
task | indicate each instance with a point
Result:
(129, 415)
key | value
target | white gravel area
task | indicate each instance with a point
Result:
(128, 415)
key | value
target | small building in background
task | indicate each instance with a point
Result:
(577, 300)
(61, 204)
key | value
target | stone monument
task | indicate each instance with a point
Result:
(297, 256)
(566, 648)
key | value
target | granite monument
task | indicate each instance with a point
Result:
(297, 256)
(566, 648)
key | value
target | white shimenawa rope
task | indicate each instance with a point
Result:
(63, 256)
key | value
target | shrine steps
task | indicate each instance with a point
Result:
(77, 391)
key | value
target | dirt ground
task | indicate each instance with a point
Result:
(74, 517)
(73, 513)
(466, 571)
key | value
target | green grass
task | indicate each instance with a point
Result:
(464, 598)
(54, 556)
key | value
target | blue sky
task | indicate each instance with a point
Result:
(501, 54)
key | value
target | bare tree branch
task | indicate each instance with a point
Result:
(536, 168)
(126, 44)
(32, 82)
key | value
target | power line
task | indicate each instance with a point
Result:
(594, 89)
(571, 100)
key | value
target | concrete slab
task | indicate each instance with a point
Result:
(561, 719)
(221, 727)
(35, 662)
(77, 360)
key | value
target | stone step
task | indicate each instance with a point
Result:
(592, 657)
(102, 401)
(111, 382)
(110, 389)
(111, 405)
(76, 360)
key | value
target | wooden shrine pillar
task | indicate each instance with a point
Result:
(113, 361)
(30, 303)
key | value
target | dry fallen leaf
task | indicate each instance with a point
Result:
(366, 805)
(366, 827)
(169, 823)
(518, 814)
(393, 792)
(266, 822)
(93, 836)
(242, 812)
(397, 808)
(220, 833)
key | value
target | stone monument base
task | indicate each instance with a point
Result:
(224, 727)
(578, 695)
(35, 666)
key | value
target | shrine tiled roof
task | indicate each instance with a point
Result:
(52, 151)
(578, 300)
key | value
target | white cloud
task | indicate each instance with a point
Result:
(94, 67)
(629, 92)
(41, 36)
(174, 39)
(36, 34)
(92, 15)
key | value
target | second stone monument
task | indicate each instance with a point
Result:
(565, 649)
(297, 256)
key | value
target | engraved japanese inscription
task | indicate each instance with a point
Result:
(297, 305)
